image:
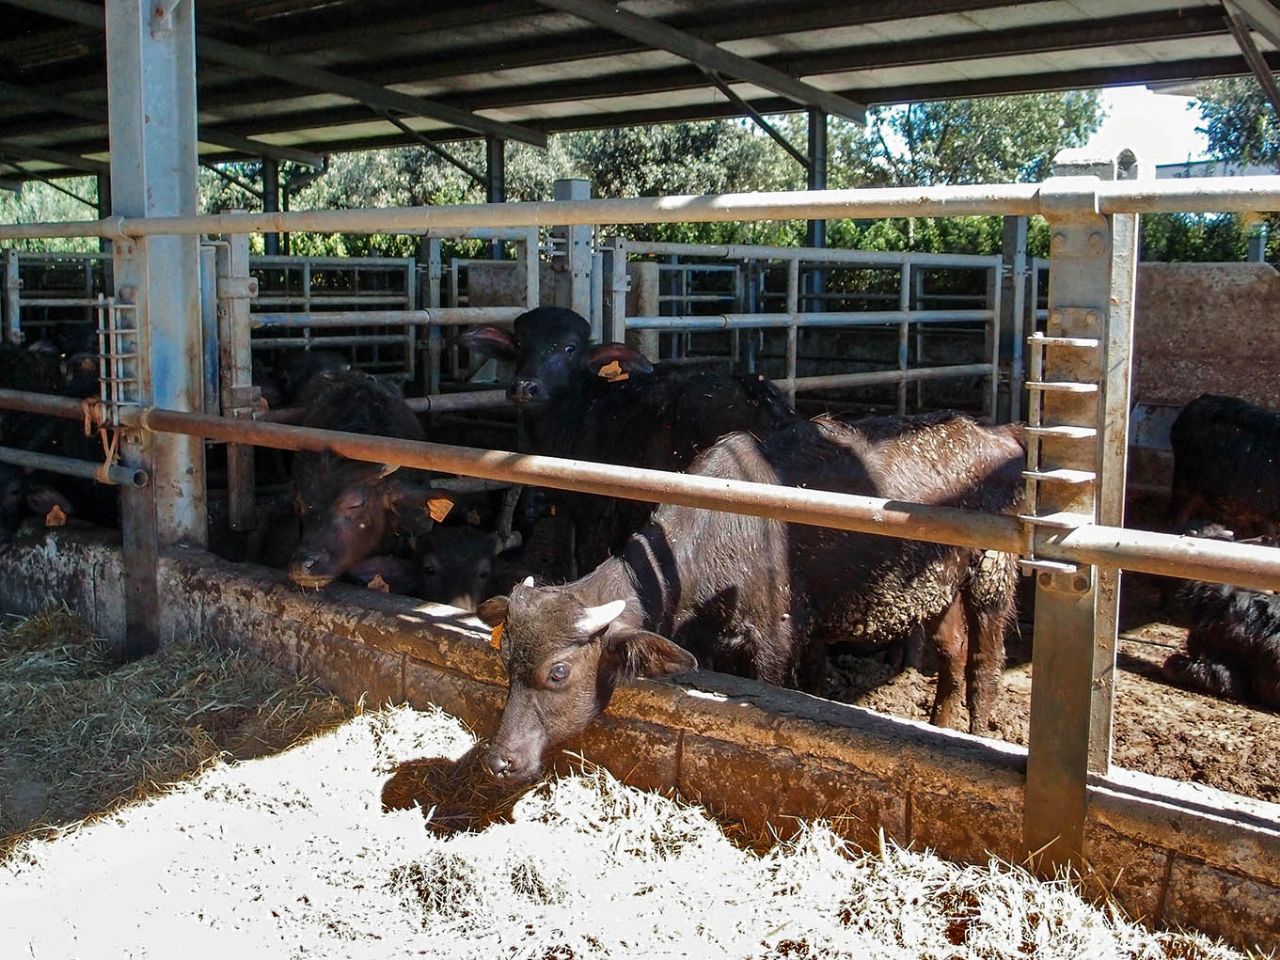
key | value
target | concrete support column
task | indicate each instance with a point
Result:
(271, 201)
(152, 101)
(1077, 438)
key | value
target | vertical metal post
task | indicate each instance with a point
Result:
(434, 336)
(12, 298)
(793, 319)
(209, 325)
(1258, 243)
(1013, 305)
(904, 332)
(576, 262)
(816, 235)
(152, 106)
(1079, 409)
(271, 202)
(617, 329)
(991, 403)
(495, 181)
(104, 211)
(235, 362)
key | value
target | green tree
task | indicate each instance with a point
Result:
(40, 202)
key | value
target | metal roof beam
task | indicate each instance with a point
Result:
(303, 75)
(1252, 55)
(707, 55)
(1262, 16)
(300, 74)
(210, 135)
(22, 151)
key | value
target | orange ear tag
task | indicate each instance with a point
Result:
(613, 372)
(377, 583)
(439, 508)
(495, 637)
(55, 517)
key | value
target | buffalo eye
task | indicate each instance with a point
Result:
(570, 348)
(559, 673)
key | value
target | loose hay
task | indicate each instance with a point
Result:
(291, 856)
(80, 734)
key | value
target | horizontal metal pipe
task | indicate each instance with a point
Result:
(283, 300)
(1193, 195)
(452, 402)
(794, 504)
(116, 475)
(367, 340)
(436, 316)
(24, 401)
(757, 251)
(874, 377)
(61, 302)
(833, 318)
(440, 403)
(1244, 564)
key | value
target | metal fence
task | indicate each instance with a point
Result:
(1069, 533)
(807, 306)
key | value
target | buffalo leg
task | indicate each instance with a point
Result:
(950, 633)
(985, 666)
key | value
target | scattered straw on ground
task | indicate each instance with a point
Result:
(80, 734)
(291, 856)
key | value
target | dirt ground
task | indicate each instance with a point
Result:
(1159, 728)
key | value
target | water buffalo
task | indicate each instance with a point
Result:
(607, 403)
(350, 509)
(1226, 465)
(762, 598)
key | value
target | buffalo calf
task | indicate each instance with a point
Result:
(351, 510)
(761, 598)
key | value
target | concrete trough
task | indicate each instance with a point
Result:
(1167, 852)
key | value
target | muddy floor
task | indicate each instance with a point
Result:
(1159, 728)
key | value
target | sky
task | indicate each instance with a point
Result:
(1159, 128)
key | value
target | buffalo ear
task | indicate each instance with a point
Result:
(645, 654)
(493, 611)
(490, 341)
(628, 359)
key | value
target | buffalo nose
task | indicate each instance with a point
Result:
(526, 390)
(498, 763)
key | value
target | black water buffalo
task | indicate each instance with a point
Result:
(762, 598)
(1233, 646)
(607, 403)
(350, 509)
(42, 367)
(1226, 465)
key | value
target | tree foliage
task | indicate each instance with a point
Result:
(994, 140)
(1241, 127)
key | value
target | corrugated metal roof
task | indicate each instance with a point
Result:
(521, 62)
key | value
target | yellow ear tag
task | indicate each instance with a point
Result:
(613, 372)
(377, 583)
(55, 517)
(495, 637)
(439, 508)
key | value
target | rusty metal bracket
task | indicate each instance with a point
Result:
(237, 288)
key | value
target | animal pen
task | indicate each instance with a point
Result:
(1179, 855)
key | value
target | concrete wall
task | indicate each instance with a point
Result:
(1207, 328)
(1170, 853)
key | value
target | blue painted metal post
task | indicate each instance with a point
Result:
(152, 101)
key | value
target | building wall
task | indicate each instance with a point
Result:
(1207, 328)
